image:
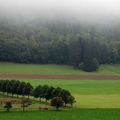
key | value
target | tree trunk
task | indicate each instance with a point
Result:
(8, 109)
(57, 108)
(39, 100)
(17, 96)
(12, 94)
(65, 104)
(71, 104)
(23, 108)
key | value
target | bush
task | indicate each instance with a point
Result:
(8, 105)
(25, 103)
(57, 102)
(90, 65)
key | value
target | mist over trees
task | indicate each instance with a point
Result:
(58, 42)
(82, 33)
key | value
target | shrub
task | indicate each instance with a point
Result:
(8, 105)
(90, 65)
(25, 103)
(57, 102)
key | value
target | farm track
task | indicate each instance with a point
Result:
(68, 76)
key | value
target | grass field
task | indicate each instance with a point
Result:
(73, 114)
(54, 69)
(95, 99)
(88, 93)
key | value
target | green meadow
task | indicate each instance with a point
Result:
(95, 99)
(54, 69)
(88, 93)
(72, 114)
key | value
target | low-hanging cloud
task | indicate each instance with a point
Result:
(92, 9)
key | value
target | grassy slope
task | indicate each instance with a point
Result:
(84, 87)
(88, 93)
(73, 114)
(54, 69)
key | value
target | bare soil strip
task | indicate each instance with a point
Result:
(68, 76)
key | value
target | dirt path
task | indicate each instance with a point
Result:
(68, 76)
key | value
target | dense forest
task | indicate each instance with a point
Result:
(58, 42)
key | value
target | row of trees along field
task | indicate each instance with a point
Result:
(15, 87)
(59, 43)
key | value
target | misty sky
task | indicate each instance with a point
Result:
(89, 8)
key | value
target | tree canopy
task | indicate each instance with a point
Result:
(58, 42)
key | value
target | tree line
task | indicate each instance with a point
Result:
(16, 87)
(58, 43)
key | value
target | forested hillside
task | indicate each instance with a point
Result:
(58, 41)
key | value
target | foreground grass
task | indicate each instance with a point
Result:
(72, 114)
(54, 69)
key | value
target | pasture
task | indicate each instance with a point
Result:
(73, 114)
(54, 69)
(95, 99)
(88, 93)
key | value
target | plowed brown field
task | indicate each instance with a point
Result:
(68, 76)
